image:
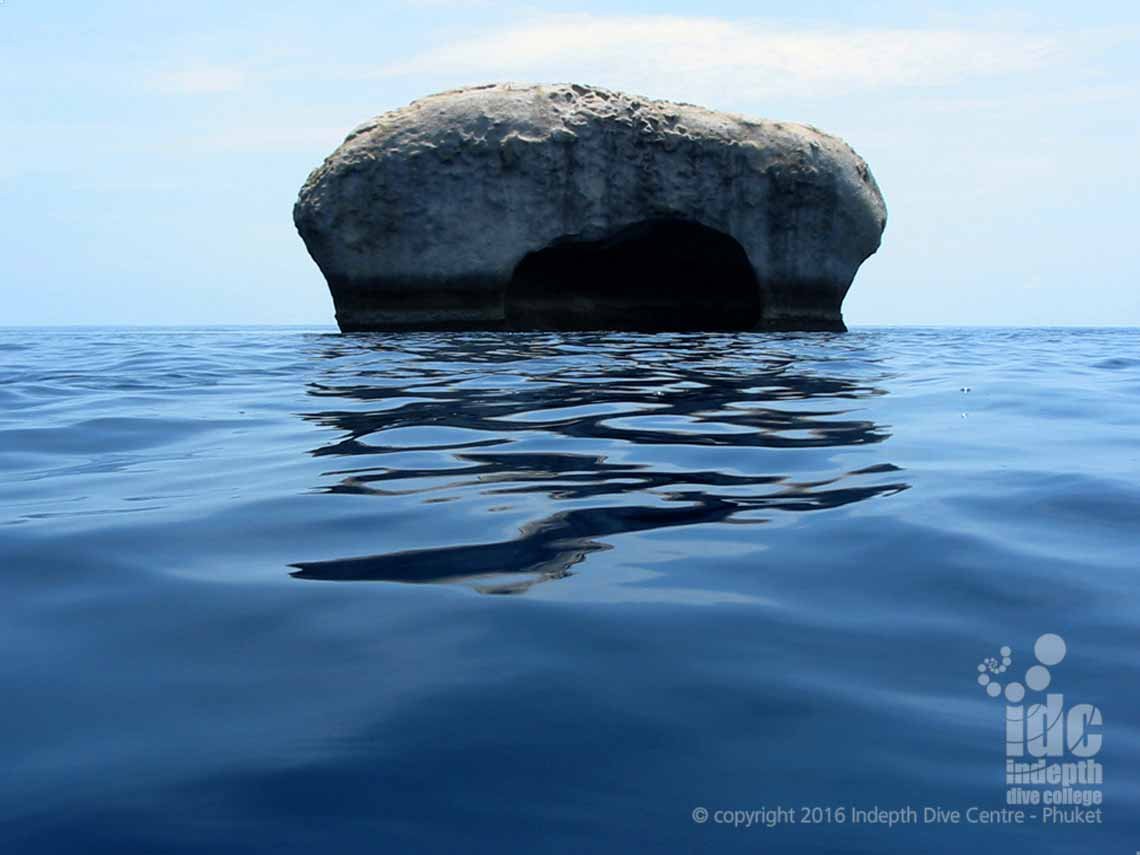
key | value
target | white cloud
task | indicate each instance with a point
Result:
(701, 56)
(199, 80)
(448, 4)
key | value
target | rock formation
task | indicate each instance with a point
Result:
(573, 207)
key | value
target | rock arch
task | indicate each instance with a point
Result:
(658, 274)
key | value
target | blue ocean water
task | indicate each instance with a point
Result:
(281, 590)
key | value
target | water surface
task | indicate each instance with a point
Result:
(285, 590)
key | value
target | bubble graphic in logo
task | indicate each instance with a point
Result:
(990, 667)
(1050, 649)
(1038, 678)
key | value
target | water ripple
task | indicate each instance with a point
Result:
(619, 395)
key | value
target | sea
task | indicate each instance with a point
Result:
(285, 590)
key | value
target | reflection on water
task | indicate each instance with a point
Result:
(442, 418)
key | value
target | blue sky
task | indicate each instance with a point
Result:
(150, 153)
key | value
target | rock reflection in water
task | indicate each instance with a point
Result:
(484, 393)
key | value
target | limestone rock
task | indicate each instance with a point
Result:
(527, 207)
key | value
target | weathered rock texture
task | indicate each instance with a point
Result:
(512, 206)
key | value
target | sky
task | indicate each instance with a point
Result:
(150, 154)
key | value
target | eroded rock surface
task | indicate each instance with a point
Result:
(566, 206)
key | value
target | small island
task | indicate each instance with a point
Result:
(533, 207)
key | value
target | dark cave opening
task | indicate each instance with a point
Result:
(655, 275)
